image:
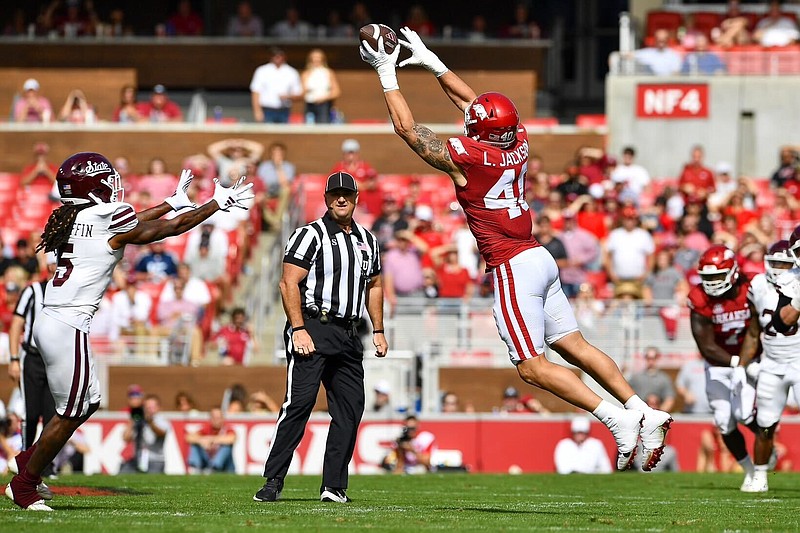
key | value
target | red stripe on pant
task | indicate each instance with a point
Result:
(506, 318)
(517, 313)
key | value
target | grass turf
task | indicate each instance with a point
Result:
(436, 502)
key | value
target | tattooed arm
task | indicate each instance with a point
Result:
(420, 138)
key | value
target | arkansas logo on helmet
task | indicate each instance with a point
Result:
(718, 270)
(492, 118)
(88, 177)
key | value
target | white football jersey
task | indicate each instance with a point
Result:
(86, 262)
(780, 349)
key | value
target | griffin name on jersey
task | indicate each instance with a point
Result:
(86, 262)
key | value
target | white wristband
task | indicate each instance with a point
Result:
(389, 82)
(438, 68)
(734, 361)
(795, 303)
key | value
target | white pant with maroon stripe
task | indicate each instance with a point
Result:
(69, 365)
(530, 309)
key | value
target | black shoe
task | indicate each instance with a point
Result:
(271, 490)
(333, 495)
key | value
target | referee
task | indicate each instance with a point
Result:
(27, 361)
(331, 271)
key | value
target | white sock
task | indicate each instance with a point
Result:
(634, 402)
(747, 464)
(605, 410)
(760, 472)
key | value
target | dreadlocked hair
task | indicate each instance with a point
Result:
(59, 227)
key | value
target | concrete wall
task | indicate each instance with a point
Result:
(749, 118)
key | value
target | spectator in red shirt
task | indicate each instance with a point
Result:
(352, 163)
(454, 280)
(41, 170)
(160, 108)
(425, 231)
(185, 21)
(212, 445)
(234, 340)
(696, 179)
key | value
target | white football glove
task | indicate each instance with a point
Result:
(789, 286)
(179, 199)
(382, 62)
(752, 370)
(233, 196)
(420, 55)
(738, 379)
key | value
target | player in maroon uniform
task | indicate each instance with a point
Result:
(720, 316)
(488, 166)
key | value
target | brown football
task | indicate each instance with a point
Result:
(371, 33)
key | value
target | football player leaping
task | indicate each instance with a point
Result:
(780, 361)
(720, 316)
(88, 234)
(488, 165)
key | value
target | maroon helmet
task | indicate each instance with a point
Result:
(492, 118)
(794, 245)
(778, 260)
(718, 270)
(88, 177)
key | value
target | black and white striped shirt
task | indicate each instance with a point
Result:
(339, 265)
(30, 303)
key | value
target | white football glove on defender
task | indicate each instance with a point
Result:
(738, 379)
(382, 62)
(752, 370)
(179, 199)
(789, 285)
(233, 196)
(420, 55)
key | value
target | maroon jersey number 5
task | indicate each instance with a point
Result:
(64, 266)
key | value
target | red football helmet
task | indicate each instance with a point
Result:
(88, 177)
(492, 118)
(778, 254)
(718, 270)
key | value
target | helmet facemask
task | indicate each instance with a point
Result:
(716, 281)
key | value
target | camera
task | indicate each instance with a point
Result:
(137, 413)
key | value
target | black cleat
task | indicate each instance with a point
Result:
(271, 491)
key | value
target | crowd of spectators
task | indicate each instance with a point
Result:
(697, 42)
(82, 18)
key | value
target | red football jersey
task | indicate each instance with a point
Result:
(494, 196)
(730, 315)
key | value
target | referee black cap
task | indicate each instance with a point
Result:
(341, 180)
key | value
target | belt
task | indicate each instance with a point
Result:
(323, 317)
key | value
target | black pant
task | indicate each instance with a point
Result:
(38, 400)
(337, 364)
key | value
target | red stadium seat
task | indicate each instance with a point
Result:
(590, 121)
(9, 181)
(394, 184)
(177, 245)
(311, 187)
(666, 20)
(540, 122)
(599, 281)
(706, 21)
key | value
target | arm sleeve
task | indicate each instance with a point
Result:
(777, 323)
(123, 219)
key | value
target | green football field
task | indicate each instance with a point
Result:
(436, 502)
